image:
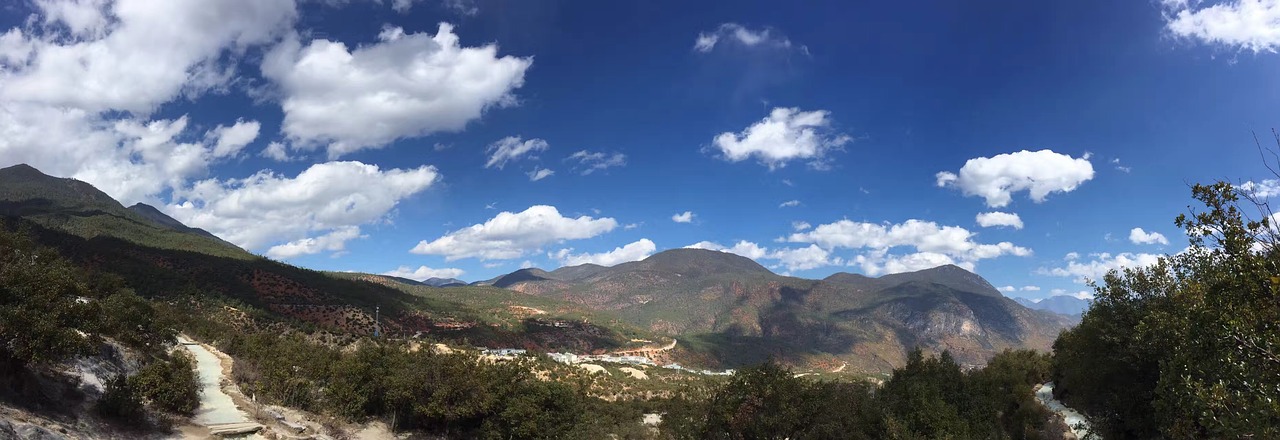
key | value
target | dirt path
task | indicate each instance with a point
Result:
(218, 411)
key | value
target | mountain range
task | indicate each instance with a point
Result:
(728, 309)
(725, 310)
(1061, 304)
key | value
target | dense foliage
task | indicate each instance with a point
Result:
(51, 311)
(926, 399)
(1188, 348)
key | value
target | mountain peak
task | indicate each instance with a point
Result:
(697, 262)
(948, 275)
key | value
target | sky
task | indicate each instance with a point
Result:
(1036, 143)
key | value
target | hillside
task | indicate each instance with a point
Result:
(77, 208)
(729, 310)
(160, 257)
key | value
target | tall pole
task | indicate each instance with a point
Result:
(377, 321)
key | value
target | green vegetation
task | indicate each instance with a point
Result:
(929, 398)
(49, 313)
(1186, 348)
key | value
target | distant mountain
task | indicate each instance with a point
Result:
(443, 282)
(730, 310)
(78, 208)
(1061, 304)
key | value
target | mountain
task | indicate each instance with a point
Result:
(443, 282)
(79, 209)
(1060, 304)
(727, 309)
(159, 257)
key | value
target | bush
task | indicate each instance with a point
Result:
(120, 401)
(170, 384)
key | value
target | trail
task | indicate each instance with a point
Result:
(217, 411)
(1077, 423)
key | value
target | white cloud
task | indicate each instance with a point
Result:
(1030, 288)
(636, 251)
(422, 273)
(76, 93)
(320, 202)
(1038, 172)
(133, 55)
(786, 134)
(405, 85)
(805, 258)
(276, 151)
(539, 174)
(1252, 25)
(462, 7)
(992, 219)
(683, 217)
(230, 140)
(743, 248)
(789, 204)
(792, 259)
(590, 162)
(512, 148)
(1072, 256)
(1100, 265)
(933, 244)
(335, 241)
(1261, 190)
(1008, 289)
(511, 235)
(800, 225)
(736, 33)
(1139, 236)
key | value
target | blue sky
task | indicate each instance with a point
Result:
(404, 136)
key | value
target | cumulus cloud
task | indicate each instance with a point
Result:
(422, 273)
(539, 174)
(511, 235)
(230, 140)
(335, 241)
(683, 217)
(933, 244)
(1094, 269)
(791, 259)
(1252, 25)
(997, 218)
(405, 85)
(1008, 289)
(800, 225)
(785, 135)
(737, 34)
(789, 204)
(591, 161)
(133, 55)
(276, 151)
(314, 212)
(636, 251)
(512, 148)
(76, 94)
(1030, 288)
(1262, 190)
(1139, 236)
(1038, 172)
